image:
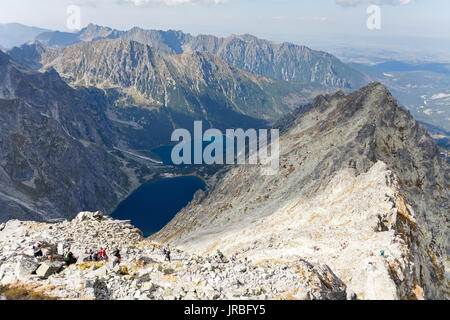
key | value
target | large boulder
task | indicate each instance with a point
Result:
(25, 268)
(46, 269)
(148, 286)
(98, 273)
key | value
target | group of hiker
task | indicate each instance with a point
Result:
(101, 255)
(234, 258)
(69, 258)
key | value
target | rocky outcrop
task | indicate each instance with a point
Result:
(361, 187)
(142, 273)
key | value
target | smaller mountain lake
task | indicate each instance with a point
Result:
(154, 204)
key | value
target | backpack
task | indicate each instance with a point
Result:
(164, 251)
(67, 256)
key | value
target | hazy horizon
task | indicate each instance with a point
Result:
(278, 18)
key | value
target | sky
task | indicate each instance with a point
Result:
(282, 20)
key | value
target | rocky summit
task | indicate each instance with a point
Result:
(143, 272)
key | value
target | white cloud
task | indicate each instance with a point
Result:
(354, 3)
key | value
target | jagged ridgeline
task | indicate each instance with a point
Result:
(283, 61)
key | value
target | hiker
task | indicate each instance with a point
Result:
(37, 250)
(116, 255)
(166, 252)
(93, 256)
(69, 258)
(102, 254)
(50, 252)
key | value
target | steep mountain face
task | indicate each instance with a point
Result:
(170, 41)
(54, 142)
(361, 186)
(29, 55)
(191, 83)
(16, 34)
(283, 61)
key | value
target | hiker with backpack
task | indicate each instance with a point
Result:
(37, 250)
(50, 252)
(166, 252)
(69, 258)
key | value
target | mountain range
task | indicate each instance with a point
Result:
(284, 61)
(155, 92)
(123, 95)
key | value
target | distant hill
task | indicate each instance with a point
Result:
(398, 66)
(16, 34)
(90, 33)
(370, 71)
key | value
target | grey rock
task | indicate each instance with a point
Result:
(46, 269)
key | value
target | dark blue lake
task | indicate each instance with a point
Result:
(165, 152)
(154, 204)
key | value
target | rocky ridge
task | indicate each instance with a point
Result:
(143, 273)
(361, 187)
